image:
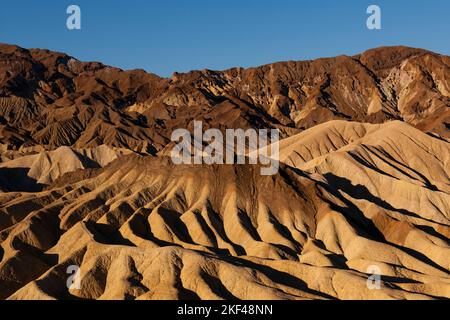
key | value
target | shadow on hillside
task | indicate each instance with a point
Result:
(336, 184)
(17, 180)
(363, 225)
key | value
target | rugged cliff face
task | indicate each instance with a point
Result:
(51, 100)
(363, 181)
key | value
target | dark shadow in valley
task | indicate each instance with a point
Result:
(107, 234)
(436, 136)
(217, 224)
(337, 184)
(430, 230)
(86, 161)
(172, 220)
(362, 225)
(397, 165)
(216, 286)
(361, 192)
(17, 180)
(277, 276)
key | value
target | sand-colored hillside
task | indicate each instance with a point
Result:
(85, 180)
(348, 196)
(32, 172)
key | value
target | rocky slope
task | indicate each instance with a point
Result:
(51, 100)
(363, 182)
(145, 228)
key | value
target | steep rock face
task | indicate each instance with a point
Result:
(378, 85)
(53, 100)
(56, 101)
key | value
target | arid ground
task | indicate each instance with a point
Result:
(86, 179)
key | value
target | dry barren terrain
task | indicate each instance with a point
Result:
(86, 180)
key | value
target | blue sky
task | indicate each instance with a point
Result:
(181, 35)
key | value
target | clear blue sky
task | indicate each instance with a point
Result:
(180, 35)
